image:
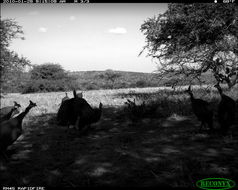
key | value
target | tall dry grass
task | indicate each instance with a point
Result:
(49, 102)
(169, 100)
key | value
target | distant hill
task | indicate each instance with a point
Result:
(87, 80)
(94, 80)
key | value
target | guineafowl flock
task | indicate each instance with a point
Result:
(77, 112)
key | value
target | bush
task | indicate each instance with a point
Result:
(90, 86)
(141, 83)
(49, 78)
(120, 85)
(43, 85)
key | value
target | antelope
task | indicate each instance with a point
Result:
(202, 110)
(226, 111)
(11, 129)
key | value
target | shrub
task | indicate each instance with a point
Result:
(49, 78)
(120, 85)
(43, 85)
(91, 86)
(141, 83)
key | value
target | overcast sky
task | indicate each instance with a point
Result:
(84, 37)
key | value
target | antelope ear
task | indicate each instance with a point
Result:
(74, 92)
(100, 105)
(33, 103)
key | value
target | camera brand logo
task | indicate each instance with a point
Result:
(215, 183)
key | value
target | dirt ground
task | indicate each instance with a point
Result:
(117, 152)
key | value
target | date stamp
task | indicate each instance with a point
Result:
(17, 1)
(45, 1)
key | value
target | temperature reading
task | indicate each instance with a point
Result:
(228, 1)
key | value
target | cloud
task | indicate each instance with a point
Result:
(43, 29)
(117, 30)
(59, 26)
(72, 18)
